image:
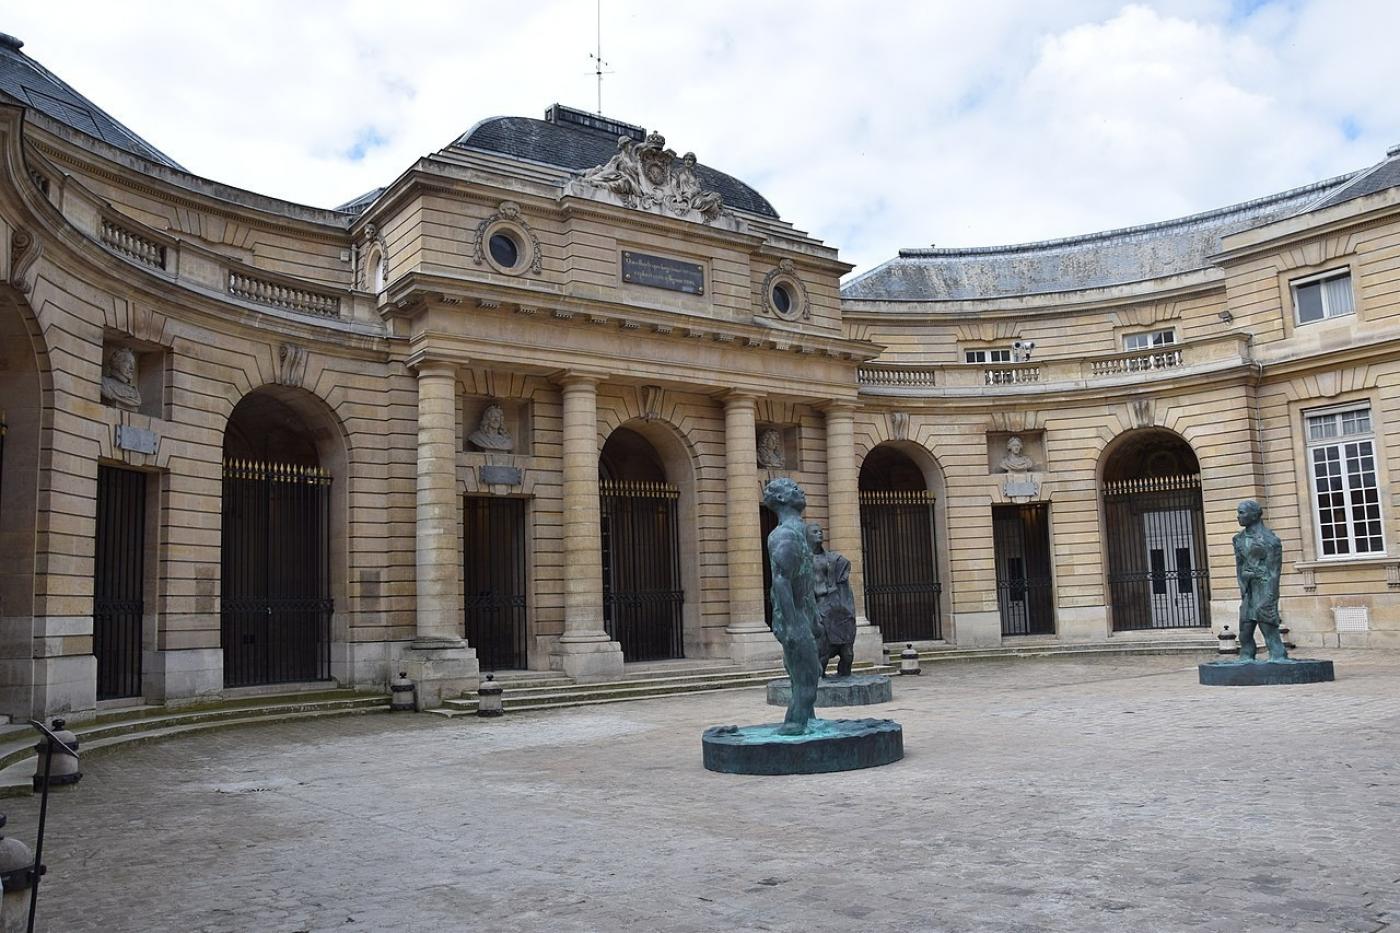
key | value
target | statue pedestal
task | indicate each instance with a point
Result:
(1241, 673)
(854, 690)
(827, 745)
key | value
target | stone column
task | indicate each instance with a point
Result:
(751, 643)
(438, 660)
(584, 651)
(843, 508)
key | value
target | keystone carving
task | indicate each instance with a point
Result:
(291, 364)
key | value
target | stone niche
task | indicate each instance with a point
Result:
(133, 376)
(789, 446)
(515, 420)
(1032, 446)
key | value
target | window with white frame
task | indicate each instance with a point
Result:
(1342, 466)
(989, 355)
(1322, 296)
(1148, 340)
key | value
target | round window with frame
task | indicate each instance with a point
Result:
(507, 248)
(786, 297)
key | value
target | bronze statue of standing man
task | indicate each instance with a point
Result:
(794, 598)
(836, 604)
(1258, 566)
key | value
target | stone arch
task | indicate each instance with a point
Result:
(26, 407)
(1153, 532)
(675, 463)
(297, 430)
(901, 548)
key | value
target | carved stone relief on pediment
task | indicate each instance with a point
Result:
(648, 176)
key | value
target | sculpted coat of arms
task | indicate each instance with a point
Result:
(649, 176)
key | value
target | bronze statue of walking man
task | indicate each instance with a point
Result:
(1258, 566)
(795, 622)
(836, 604)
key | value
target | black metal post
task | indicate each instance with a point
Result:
(39, 842)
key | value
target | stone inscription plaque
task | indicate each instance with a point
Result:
(660, 272)
(503, 475)
(137, 440)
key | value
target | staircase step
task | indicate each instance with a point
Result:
(468, 707)
(17, 753)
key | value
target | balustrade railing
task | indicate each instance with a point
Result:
(1136, 363)
(279, 295)
(911, 377)
(132, 245)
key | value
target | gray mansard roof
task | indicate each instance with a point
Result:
(1114, 257)
(575, 140)
(30, 84)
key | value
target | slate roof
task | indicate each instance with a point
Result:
(29, 84)
(1367, 181)
(575, 147)
(1114, 257)
(358, 205)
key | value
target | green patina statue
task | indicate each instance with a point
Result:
(795, 621)
(1258, 566)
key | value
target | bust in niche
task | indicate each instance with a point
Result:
(770, 450)
(491, 433)
(1015, 460)
(119, 380)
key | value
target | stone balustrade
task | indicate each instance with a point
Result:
(126, 242)
(914, 379)
(266, 291)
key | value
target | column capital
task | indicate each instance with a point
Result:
(735, 398)
(571, 378)
(424, 368)
(838, 408)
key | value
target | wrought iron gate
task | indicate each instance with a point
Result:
(642, 595)
(1157, 574)
(118, 578)
(1021, 543)
(494, 576)
(900, 547)
(276, 573)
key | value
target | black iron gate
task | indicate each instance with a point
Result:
(1021, 543)
(642, 595)
(767, 521)
(900, 547)
(276, 573)
(118, 578)
(494, 576)
(1157, 574)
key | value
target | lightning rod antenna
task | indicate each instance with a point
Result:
(598, 64)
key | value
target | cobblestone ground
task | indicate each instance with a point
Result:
(1035, 795)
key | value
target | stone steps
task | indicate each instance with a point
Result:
(1164, 646)
(638, 686)
(145, 723)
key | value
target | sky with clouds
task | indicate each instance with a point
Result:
(872, 124)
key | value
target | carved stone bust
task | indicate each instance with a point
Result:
(491, 433)
(1015, 460)
(119, 380)
(770, 450)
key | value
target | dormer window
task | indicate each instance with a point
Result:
(1322, 296)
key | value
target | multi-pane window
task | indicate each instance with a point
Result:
(999, 355)
(1342, 466)
(1146, 341)
(1321, 296)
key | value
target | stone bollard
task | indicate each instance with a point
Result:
(1227, 642)
(488, 697)
(909, 660)
(63, 772)
(404, 692)
(17, 881)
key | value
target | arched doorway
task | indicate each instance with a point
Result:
(23, 381)
(1155, 533)
(643, 596)
(280, 453)
(899, 541)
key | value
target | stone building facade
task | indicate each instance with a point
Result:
(515, 410)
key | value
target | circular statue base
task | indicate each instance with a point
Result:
(827, 745)
(1240, 673)
(851, 690)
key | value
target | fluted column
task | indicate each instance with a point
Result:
(751, 643)
(843, 510)
(584, 650)
(438, 614)
(439, 660)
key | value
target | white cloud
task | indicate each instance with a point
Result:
(874, 126)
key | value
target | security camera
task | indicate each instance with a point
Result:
(1021, 349)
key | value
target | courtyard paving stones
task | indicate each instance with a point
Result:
(1104, 795)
